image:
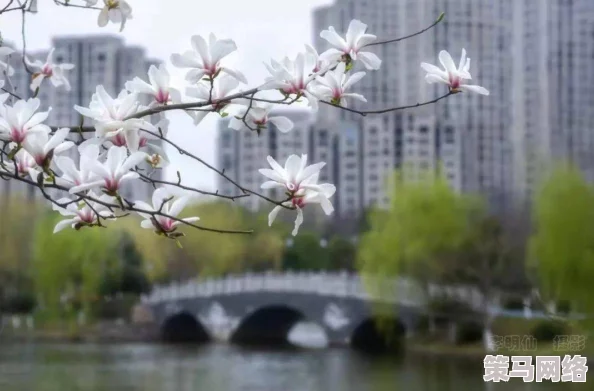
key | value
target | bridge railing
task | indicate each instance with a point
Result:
(340, 284)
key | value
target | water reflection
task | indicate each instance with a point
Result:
(56, 367)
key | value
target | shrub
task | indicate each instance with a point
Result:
(469, 332)
(514, 304)
(547, 331)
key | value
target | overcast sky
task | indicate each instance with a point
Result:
(262, 29)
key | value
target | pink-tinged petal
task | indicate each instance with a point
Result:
(201, 47)
(236, 124)
(432, 78)
(140, 86)
(129, 176)
(298, 221)
(292, 167)
(275, 166)
(235, 74)
(86, 186)
(132, 140)
(326, 205)
(178, 205)
(309, 171)
(475, 89)
(147, 224)
(115, 158)
(312, 100)
(365, 40)
(283, 124)
(432, 69)
(159, 196)
(64, 224)
(334, 39)
(198, 116)
(63, 147)
(271, 185)
(352, 95)
(36, 82)
(103, 17)
(353, 79)
(273, 174)
(355, 32)
(186, 60)
(133, 160)
(462, 62)
(370, 60)
(221, 48)
(57, 139)
(447, 62)
(272, 215)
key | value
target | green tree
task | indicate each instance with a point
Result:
(341, 253)
(68, 266)
(305, 253)
(562, 246)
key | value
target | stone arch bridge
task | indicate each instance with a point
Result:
(262, 308)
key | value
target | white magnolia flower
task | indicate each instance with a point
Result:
(291, 177)
(159, 86)
(113, 172)
(3, 97)
(164, 201)
(23, 162)
(82, 214)
(110, 116)
(300, 181)
(454, 77)
(334, 84)
(350, 48)
(5, 68)
(306, 197)
(21, 120)
(43, 147)
(205, 59)
(293, 77)
(49, 70)
(222, 87)
(320, 63)
(258, 117)
(115, 11)
(71, 176)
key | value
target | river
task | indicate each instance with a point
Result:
(221, 367)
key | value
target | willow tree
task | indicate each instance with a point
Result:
(68, 266)
(562, 247)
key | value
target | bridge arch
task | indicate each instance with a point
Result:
(183, 327)
(383, 335)
(267, 325)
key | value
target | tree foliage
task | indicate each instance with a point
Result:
(562, 247)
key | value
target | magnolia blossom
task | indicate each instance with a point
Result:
(5, 51)
(222, 87)
(23, 163)
(293, 77)
(454, 77)
(334, 84)
(21, 120)
(43, 148)
(320, 64)
(49, 70)
(71, 176)
(115, 11)
(165, 202)
(110, 116)
(82, 214)
(159, 86)
(300, 182)
(113, 172)
(349, 49)
(205, 59)
(258, 117)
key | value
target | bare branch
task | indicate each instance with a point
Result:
(439, 19)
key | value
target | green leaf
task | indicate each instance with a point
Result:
(440, 17)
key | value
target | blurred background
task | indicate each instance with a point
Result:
(484, 204)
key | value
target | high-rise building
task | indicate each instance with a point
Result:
(554, 80)
(480, 125)
(99, 60)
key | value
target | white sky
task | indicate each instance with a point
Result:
(262, 29)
